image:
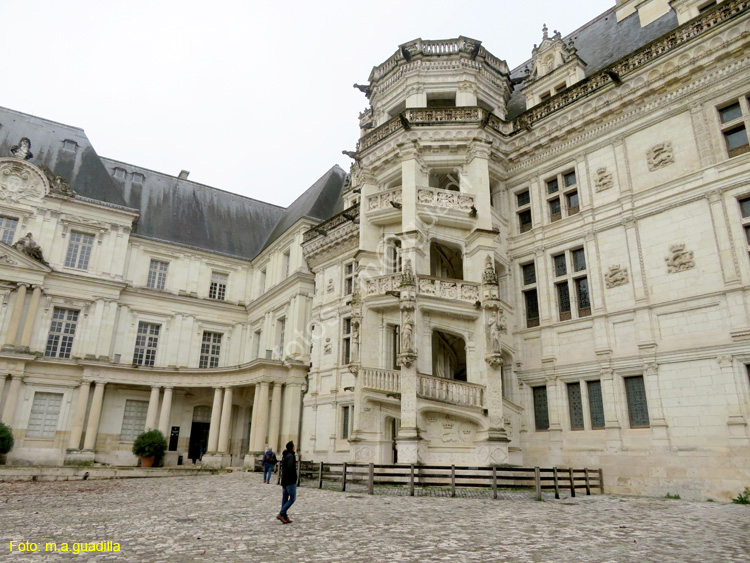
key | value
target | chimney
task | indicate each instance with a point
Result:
(184, 174)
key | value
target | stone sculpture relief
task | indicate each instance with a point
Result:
(327, 347)
(19, 181)
(679, 259)
(616, 276)
(489, 275)
(407, 332)
(30, 248)
(22, 150)
(659, 156)
(496, 327)
(604, 180)
(330, 288)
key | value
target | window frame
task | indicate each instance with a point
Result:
(522, 209)
(349, 276)
(210, 353)
(741, 122)
(148, 342)
(136, 428)
(630, 402)
(43, 433)
(527, 290)
(562, 194)
(65, 337)
(537, 412)
(73, 259)
(217, 289)
(346, 340)
(6, 234)
(345, 426)
(571, 279)
(157, 277)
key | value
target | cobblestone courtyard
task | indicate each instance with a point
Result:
(231, 517)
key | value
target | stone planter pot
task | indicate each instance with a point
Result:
(147, 462)
(3, 457)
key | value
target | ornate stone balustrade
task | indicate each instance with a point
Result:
(450, 391)
(388, 380)
(445, 115)
(348, 215)
(380, 284)
(445, 199)
(448, 289)
(380, 133)
(382, 200)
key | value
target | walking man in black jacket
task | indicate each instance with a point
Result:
(288, 482)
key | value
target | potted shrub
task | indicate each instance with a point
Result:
(149, 446)
(6, 441)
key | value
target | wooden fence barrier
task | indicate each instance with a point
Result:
(453, 477)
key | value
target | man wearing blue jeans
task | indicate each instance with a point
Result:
(269, 462)
(288, 482)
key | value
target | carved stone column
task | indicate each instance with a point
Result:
(274, 427)
(74, 456)
(221, 457)
(261, 404)
(166, 412)
(408, 436)
(28, 326)
(659, 429)
(15, 318)
(9, 411)
(213, 429)
(153, 408)
(92, 428)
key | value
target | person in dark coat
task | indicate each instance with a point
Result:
(288, 482)
(269, 462)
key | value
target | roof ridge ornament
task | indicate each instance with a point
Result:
(23, 149)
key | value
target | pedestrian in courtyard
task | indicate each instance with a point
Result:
(288, 482)
(269, 462)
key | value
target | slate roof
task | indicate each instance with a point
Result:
(171, 209)
(601, 42)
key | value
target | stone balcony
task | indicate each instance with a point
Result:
(338, 234)
(446, 207)
(381, 209)
(430, 117)
(428, 286)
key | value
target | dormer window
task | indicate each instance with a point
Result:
(119, 173)
(137, 178)
(69, 145)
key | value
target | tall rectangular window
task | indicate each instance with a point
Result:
(133, 420)
(393, 347)
(280, 337)
(79, 250)
(393, 256)
(218, 288)
(530, 295)
(635, 391)
(61, 333)
(523, 211)
(570, 271)
(285, 259)
(146, 342)
(157, 274)
(256, 344)
(575, 406)
(596, 406)
(541, 415)
(45, 410)
(350, 270)
(345, 421)
(562, 195)
(733, 122)
(8, 226)
(346, 341)
(210, 350)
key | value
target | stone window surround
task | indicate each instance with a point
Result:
(527, 288)
(563, 193)
(526, 207)
(46, 416)
(583, 383)
(571, 278)
(157, 273)
(144, 317)
(623, 384)
(346, 339)
(137, 405)
(210, 352)
(64, 322)
(743, 121)
(91, 257)
(349, 277)
(8, 235)
(218, 287)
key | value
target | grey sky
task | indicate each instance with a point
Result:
(251, 97)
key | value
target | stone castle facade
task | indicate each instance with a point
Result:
(540, 266)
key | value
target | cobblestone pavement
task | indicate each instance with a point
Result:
(231, 517)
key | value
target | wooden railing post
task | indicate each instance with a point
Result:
(494, 482)
(343, 478)
(453, 480)
(554, 478)
(588, 483)
(601, 482)
(572, 482)
(411, 480)
(320, 475)
(538, 483)
(371, 480)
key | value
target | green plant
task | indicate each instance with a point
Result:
(673, 497)
(6, 438)
(709, 499)
(742, 498)
(150, 444)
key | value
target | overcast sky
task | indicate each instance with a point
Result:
(251, 97)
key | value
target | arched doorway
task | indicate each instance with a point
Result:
(448, 356)
(199, 432)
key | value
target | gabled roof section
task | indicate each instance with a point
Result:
(181, 211)
(319, 202)
(601, 42)
(64, 149)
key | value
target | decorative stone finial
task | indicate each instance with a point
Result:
(22, 150)
(544, 31)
